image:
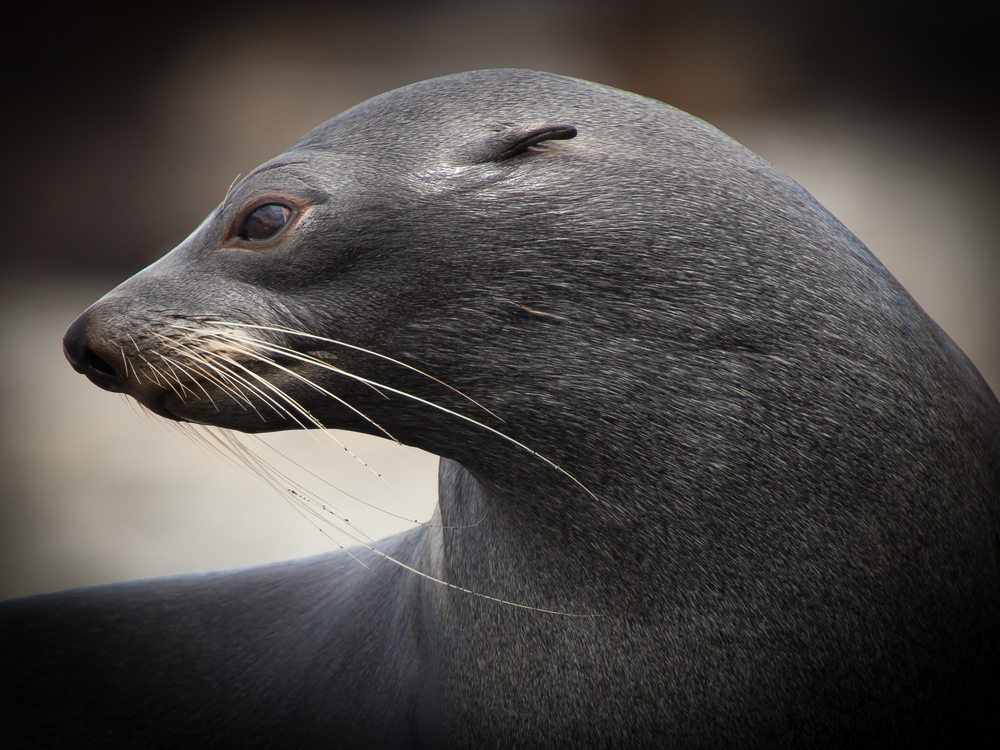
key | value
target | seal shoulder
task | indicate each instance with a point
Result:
(257, 654)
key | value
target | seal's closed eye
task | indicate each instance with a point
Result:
(517, 139)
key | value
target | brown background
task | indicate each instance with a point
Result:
(124, 125)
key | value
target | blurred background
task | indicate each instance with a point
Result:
(123, 128)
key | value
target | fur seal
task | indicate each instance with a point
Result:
(710, 477)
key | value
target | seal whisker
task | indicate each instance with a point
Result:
(228, 446)
(206, 356)
(231, 383)
(291, 353)
(215, 375)
(323, 511)
(200, 360)
(167, 382)
(270, 401)
(180, 381)
(248, 459)
(306, 414)
(354, 347)
(478, 594)
(136, 408)
(252, 351)
(374, 506)
(307, 504)
(154, 371)
(245, 458)
(174, 363)
(229, 190)
(126, 365)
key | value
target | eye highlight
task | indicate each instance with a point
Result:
(264, 222)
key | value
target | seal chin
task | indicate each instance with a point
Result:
(167, 403)
(103, 380)
(163, 405)
(213, 409)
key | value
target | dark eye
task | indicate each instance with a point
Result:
(265, 221)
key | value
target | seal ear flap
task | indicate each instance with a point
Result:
(517, 139)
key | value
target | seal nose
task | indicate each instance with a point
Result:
(76, 347)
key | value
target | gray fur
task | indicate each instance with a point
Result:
(793, 534)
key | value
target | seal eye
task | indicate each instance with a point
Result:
(265, 222)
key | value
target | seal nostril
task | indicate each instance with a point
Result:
(98, 370)
(92, 362)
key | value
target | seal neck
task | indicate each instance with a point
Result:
(556, 548)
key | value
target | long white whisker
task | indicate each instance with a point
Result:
(324, 513)
(250, 350)
(172, 364)
(304, 502)
(202, 357)
(214, 374)
(279, 409)
(232, 377)
(332, 368)
(178, 380)
(357, 499)
(306, 413)
(156, 372)
(345, 345)
(236, 386)
(247, 460)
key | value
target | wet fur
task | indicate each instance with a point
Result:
(778, 480)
